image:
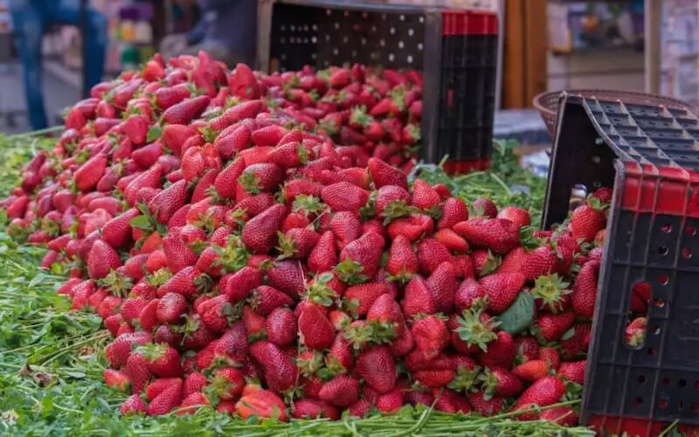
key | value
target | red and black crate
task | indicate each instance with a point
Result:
(455, 49)
(649, 155)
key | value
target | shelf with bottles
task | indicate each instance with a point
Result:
(590, 26)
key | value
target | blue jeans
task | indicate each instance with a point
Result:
(30, 20)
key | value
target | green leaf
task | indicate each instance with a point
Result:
(140, 222)
(154, 133)
(519, 315)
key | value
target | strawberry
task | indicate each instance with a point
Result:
(314, 409)
(116, 379)
(365, 295)
(635, 332)
(176, 253)
(485, 208)
(449, 401)
(261, 177)
(101, 260)
(167, 202)
(243, 83)
(475, 329)
(383, 174)
(137, 370)
(545, 391)
(414, 227)
(540, 261)
(378, 369)
(346, 227)
(341, 391)
(584, 294)
(484, 405)
(159, 385)
(500, 382)
(192, 403)
(431, 335)
(174, 136)
(323, 257)
(551, 327)
(169, 96)
(193, 383)
(237, 140)
(498, 235)
(527, 349)
(279, 369)
(227, 383)
(392, 202)
(186, 111)
(514, 262)
(391, 401)
(501, 351)
(501, 290)
(237, 286)
(297, 243)
(550, 293)
(162, 360)
(576, 345)
(117, 231)
(424, 196)
(360, 259)
(268, 136)
(432, 254)
(532, 370)
(418, 298)
(515, 214)
(315, 329)
(402, 263)
(136, 129)
(467, 294)
(565, 416)
(344, 196)
(133, 405)
(281, 327)
(87, 176)
(573, 371)
(451, 240)
(287, 276)
(147, 318)
(587, 220)
(264, 299)
(260, 233)
(262, 404)
(166, 401)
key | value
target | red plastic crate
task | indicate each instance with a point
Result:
(650, 155)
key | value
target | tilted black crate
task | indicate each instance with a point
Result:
(455, 50)
(650, 155)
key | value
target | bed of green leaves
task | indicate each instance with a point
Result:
(51, 359)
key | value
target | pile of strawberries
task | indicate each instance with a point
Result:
(252, 246)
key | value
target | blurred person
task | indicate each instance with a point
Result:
(227, 31)
(30, 20)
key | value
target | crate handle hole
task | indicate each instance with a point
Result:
(663, 250)
(680, 406)
(663, 279)
(642, 379)
(686, 252)
(665, 382)
(666, 228)
(682, 383)
(638, 400)
(690, 230)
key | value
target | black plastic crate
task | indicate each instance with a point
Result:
(649, 155)
(455, 50)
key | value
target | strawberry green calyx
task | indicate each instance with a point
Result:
(413, 131)
(203, 283)
(491, 264)
(250, 182)
(383, 332)
(396, 209)
(307, 205)
(466, 379)
(159, 277)
(490, 384)
(287, 246)
(309, 363)
(359, 116)
(350, 272)
(117, 284)
(319, 293)
(550, 290)
(332, 368)
(153, 351)
(359, 334)
(475, 331)
(398, 97)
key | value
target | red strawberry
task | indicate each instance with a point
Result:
(279, 369)
(136, 128)
(551, 327)
(137, 370)
(346, 227)
(243, 83)
(402, 260)
(565, 416)
(87, 176)
(424, 196)
(515, 214)
(166, 401)
(545, 391)
(360, 259)
(314, 327)
(467, 293)
(170, 200)
(313, 409)
(540, 261)
(297, 243)
(365, 295)
(414, 227)
(261, 177)
(378, 369)
(500, 352)
(501, 290)
(101, 260)
(188, 282)
(186, 111)
(451, 240)
(344, 196)
(281, 327)
(485, 208)
(159, 385)
(550, 293)
(163, 360)
(514, 262)
(431, 335)
(341, 391)
(260, 233)
(174, 136)
(587, 220)
(532, 370)
(484, 405)
(418, 298)
(192, 403)
(573, 371)
(432, 254)
(392, 202)
(262, 404)
(500, 382)
(498, 235)
(133, 405)
(228, 383)
(264, 299)
(116, 379)
(287, 276)
(383, 174)
(324, 256)
(237, 286)
(449, 401)
(169, 96)
(268, 136)
(584, 294)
